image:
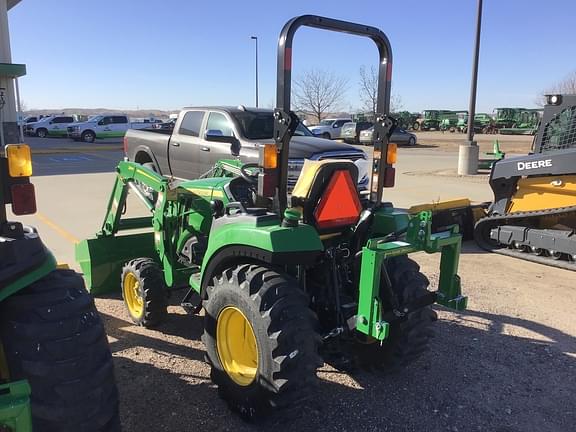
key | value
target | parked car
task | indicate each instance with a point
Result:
(168, 124)
(54, 126)
(399, 136)
(329, 128)
(104, 126)
(350, 132)
(195, 144)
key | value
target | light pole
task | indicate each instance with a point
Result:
(256, 39)
(468, 152)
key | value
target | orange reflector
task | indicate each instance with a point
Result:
(23, 199)
(339, 204)
(19, 160)
(392, 154)
(270, 156)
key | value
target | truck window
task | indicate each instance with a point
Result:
(120, 119)
(217, 121)
(191, 123)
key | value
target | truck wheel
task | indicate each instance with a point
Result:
(408, 338)
(326, 135)
(53, 337)
(41, 133)
(144, 292)
(416, 126)
(260, 340)
(88, 136)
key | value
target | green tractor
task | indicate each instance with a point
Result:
(56, 371)
(432, 119)
(284, 283)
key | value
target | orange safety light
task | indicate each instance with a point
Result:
(270, 156)
(392, 153)
(339, 204)
(19, 160)
(23, 199)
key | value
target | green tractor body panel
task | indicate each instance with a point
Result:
(264, 240)
(15, 414)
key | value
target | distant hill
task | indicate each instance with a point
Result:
(143, 113)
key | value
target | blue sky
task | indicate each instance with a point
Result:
(129, 54)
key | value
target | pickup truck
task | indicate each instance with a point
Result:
(195, 143)
(106, 126)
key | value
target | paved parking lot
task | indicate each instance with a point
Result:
(506, 365)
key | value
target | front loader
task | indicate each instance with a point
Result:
(285, 282)
(56, 370)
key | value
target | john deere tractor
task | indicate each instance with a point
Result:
(285, 282)
(56, 370)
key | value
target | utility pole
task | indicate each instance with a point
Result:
(468, 152)
(256, 39)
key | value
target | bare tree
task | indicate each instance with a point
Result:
(369, 91)
(566, 86)
(317, 92)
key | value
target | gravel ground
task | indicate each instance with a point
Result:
(505, 365)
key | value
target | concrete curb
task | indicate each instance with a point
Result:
(83, 149)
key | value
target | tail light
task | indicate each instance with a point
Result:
(268, 178)
(23, 199)
(19, 160)
(22, 193)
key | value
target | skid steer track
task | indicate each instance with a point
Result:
(485, 225)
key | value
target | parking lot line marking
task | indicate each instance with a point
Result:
(61, 231)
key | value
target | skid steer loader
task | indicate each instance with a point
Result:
(56, 371)
(533, 215)
(284, 283)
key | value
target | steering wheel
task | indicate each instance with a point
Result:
(251, 178)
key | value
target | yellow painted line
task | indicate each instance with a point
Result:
(61, 231)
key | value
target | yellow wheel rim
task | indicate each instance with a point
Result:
(236, 344)
(132, 298)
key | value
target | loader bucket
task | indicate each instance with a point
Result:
(102, 259)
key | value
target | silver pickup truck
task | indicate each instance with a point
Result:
(192, 148)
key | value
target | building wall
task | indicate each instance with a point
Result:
(9, 110)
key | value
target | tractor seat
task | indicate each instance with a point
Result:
(327, 193)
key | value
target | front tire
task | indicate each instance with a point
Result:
(260, 340)
(41, 133)
(54, 338)
(144, 292)
(326, 135)
(412, 141)
(409, 337)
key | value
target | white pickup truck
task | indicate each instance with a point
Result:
(106, 126)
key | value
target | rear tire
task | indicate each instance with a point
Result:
(144, 292)
(53, 337)
(408, 339)
(41, 133)
(281, 366)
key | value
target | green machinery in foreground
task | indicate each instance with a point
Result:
(55, 365)
(284, 287)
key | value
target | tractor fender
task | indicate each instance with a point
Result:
(231, 243)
